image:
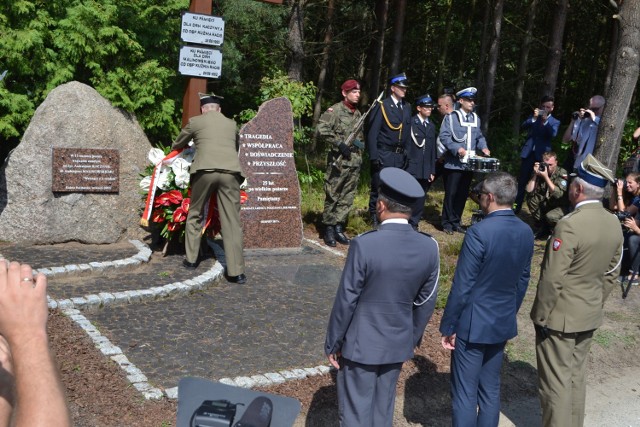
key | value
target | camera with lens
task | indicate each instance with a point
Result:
(575, 115)
(623, 215)
(543, 166)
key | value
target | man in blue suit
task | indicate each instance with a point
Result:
(490, 282)
(388, 136)
(386, 296)
(541, 128)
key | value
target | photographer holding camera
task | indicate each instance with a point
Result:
(547, 193)
(582, 131)
(627, 213)
(541, 128)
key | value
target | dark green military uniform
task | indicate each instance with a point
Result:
(580, 267)
(341, 177)
(546, 205)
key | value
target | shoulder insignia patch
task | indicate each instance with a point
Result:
(330, 110)
(556, 244)
(563, 183)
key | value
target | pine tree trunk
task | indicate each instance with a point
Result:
(482, 57)
(613, 49)
(442, 61)
(623, 83)
(324, 65)
(554, 58)
(493, 64)
(296, 39)
(382, 10)
(398, 31)
(522, 69)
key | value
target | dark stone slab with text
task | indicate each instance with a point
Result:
(271, 217)
(85, 170)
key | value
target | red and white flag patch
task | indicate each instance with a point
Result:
(556, 244)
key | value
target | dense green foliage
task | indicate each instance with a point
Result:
(128, 51)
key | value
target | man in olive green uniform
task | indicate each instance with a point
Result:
(215, 169)
(547, 193)
(343, 162)
(579, 270)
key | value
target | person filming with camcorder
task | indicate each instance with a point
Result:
(582, 131)
(546, 193)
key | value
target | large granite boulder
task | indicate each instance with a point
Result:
(74, 115)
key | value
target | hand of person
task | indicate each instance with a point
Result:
(619, 186)
(449, 342)
(344, 150)
(431, 177)
(486, 152)
(333, 359)
(588, 114)
(462, 152)
(632, 225)
(536, 112)
(23, 302)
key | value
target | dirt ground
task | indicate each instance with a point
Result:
(99, 394)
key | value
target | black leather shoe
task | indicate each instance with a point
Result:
(240, 279)
(448, 231)
(460, 230)
(330, 236)
(340, 236)
(189, 265)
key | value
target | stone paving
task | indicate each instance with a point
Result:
(265, 331)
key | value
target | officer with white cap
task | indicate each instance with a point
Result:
(461, 135)
(580, 268)
(422, 151)
(386, 296)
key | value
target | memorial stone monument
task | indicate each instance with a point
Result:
(98, 152)
(271, 216)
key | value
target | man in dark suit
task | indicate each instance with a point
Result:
(580, 267)
(421, 152)
(386, 296)
(388, 136)
(215, 169)
(490, 282)
(541, 128)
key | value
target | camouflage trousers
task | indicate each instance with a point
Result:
(542, 210)
(340, 184)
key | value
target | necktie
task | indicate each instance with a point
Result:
(469, 117)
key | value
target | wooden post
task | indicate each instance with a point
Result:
(191, 100)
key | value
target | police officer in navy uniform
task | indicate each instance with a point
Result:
(386, 296)
(461, 136)
(421, 152)
(388, 135)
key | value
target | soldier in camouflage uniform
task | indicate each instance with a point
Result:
(547, 196)
(343, 162)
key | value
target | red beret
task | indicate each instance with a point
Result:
(350, 85)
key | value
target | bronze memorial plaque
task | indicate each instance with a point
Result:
(85, 170)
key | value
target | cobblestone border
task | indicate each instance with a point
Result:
(71, 308)
(140, 382)
(103, 299)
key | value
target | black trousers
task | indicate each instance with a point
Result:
(526, 169)
(456, 190)
(418, 208)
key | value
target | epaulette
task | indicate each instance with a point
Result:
(367, 232)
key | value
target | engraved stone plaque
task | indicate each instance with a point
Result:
(271, 216)
(85, 170)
